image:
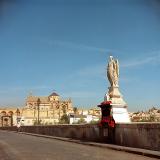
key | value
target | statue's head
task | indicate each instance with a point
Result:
(111, 57)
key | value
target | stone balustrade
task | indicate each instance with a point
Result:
(138, 135)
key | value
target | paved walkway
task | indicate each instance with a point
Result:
(18, 146)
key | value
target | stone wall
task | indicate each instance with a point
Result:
(138, 135)
(83, 132)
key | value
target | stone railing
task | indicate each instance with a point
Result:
(83, 132)
(138, 135)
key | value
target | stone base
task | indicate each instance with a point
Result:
(119, 106)
(115, 96)
(120, 114)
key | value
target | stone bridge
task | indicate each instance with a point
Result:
(137, 135)
(19, 146)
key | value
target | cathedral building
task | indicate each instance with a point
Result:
(46, 110)
(43, 110)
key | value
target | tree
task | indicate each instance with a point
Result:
(64, 119)
(94, 122)
(81, 121)
(75, 110)
(152, 118)
(64, 109)
(37, 123)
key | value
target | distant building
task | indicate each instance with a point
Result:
(91, 111)
(88, 115)
(86, 118)
(152, 115)
(49, 108)
(9, 116)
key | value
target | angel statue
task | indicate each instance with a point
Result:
(113, 72)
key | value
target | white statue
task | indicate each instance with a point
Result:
(113, 72)
(119, 106)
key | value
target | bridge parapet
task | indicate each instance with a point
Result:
(138, 135)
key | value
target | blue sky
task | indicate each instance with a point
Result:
(63, 46)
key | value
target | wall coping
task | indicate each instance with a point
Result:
(147, 125)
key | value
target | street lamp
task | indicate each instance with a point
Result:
(38, 103)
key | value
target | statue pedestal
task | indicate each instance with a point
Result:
(115, 96)
(119, 106)
(120, 113)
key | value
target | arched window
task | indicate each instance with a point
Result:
(10, 113)
(3, 113)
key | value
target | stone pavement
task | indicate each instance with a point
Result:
(139, 151)
(18, 146)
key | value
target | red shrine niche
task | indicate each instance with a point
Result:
(107, 119)
(107, 123)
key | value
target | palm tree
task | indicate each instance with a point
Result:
(75, 110)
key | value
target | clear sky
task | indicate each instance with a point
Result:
(63, 46)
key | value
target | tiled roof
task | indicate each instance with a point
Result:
(34, 99)
(53, 94)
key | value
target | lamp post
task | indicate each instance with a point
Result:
(18, 115)
(38, 103)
